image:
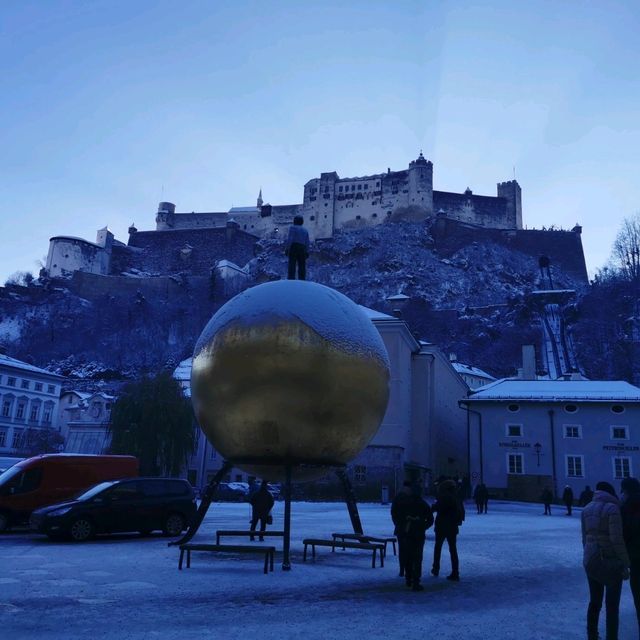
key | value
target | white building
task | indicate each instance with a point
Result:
(525, 435)
(423, 433)
(84, 421)
(473, 376)
(29, 398)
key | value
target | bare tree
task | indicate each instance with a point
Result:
(626, 249)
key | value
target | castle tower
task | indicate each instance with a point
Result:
(512, 193)
(421, 184)
(165, 216)
(259, 202)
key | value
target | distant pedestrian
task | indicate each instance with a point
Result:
(398, 511)
(297, 248)
(631, 532)
(604, 559)
(261, 505)
(567, 498)
(450, 515)
(481, 496)
(585, 497)
(547, 498)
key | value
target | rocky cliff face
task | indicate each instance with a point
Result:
(469, 298)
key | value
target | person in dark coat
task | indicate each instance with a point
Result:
(261, 504)
(417, 518)
(567, 498)
(450, 515)
(585, 497)
(297, 248)
(602, 535)
(398, 510)
(547, 498)
(631, 533)
(481, 496)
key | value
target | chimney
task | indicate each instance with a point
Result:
(528, 362)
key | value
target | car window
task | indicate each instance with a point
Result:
(164, 488)
(23, 481)
(94, 491)
(175, 488)
(125, 491)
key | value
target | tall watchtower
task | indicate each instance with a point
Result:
(421, 184)
(165, 216)
(512, 193)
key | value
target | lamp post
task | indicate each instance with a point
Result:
(537, 446)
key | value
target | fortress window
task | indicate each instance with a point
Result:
(326, 204)
(312, 218)
(375, 215)
(366, 186)
(377, 184)
(388, 213)
(353, 187)
(325, 216)
(359, 187)
(340, 189)
(358, 217)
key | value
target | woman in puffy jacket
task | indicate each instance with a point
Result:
(602, 533)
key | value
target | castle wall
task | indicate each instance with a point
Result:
(68, 255)
(486, 211)
(194, 250)
(167, 221)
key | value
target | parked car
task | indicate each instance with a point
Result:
(52, 478)
(141, 504)
(232, 491)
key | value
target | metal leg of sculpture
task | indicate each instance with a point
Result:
(350, 499)
(286, 544)
(205, 503)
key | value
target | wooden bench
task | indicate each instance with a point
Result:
(365, 546)
(269, 552)
(362, 537)
(241, 533)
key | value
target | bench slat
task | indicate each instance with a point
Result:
(269, 552)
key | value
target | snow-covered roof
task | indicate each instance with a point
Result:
(471, 371)
(372, 314)
(76, 239)
(24, 366)
(560, 390)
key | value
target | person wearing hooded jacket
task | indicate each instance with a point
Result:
(631, 531)
(602, 533)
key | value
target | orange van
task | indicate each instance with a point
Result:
(51, 478)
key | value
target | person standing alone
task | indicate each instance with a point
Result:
(297, 249)
(450, 516)
(261, 505)
(567, 498)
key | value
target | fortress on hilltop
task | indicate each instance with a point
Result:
(197, 243)
(330, 202)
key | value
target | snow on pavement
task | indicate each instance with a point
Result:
(521, 578)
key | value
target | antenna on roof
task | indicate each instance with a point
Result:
(514, 171)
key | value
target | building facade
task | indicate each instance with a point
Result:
(84, 420)
(525, 435)
(29, 400)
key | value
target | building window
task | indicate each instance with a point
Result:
(359, 187)
(515, 464)
(572, 431)
(3, 437)
(51, 388)
(619, 433)
(375, 215)
(570, 408)
(33, 416)
(312, 218)
(358, 217)
(360, 473)
(575, 466)
(38, 386)
(6, 408)
(20, 411)
(621, 467)
(514, 408)
(46, 415)
(617, 408)
(340, 189)
(24, 384)
(366, 186)
(11, 382)
(514, 430)
(17, 438)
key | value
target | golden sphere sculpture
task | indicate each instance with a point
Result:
(290, 373)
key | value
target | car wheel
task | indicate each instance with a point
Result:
(81, 529)
(174, 524)
(4, 522)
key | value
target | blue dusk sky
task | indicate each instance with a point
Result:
(108, 107)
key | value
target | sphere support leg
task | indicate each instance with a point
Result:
(350, 499)
(205, 503)
(286, 544)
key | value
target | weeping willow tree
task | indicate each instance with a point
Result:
(153, 421)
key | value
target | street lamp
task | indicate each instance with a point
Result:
(537, 446)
